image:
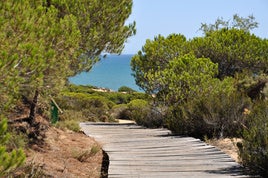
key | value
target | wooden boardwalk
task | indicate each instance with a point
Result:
(137, 152)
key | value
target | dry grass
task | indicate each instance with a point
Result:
(84, 155)
(228, 146)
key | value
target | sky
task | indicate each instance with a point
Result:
(165, 17)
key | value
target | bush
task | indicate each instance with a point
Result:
(17, 140)
(8, 160)
(119, 98)
(138, 109)
(126, 89)
(183, 123)
(124, 98)
(83, 155)
(82, 103)
(219, 113)
(121, 111)
(138, 103)
(80, 88)
(144, 114)
(77, 101)
(29, 170)
(82, 106)
(154, 118)
(73, 115)
(69, 124)
(254, 149)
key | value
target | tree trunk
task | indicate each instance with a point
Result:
(33, 108)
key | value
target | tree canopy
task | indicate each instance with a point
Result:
(101, 24)
(204, 84)
(155, 56)
(186, 77)
(233, 50)
(241, 23)
(45, 42)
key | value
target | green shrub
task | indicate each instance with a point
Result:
(30, 170)
(126, 89)
(138, 111)
(83, 155)
(83, 103)
(82, 106)
(119, 98)
(138, 103)
(68, 124)
(215, 113)
(144, 114)
(17, 140)
(80, 88)
(72, 115)
(77, 101)
(121, 111)
(124, 98)
(221, 115)
(154, 117)
(177, 122)
(8, 160)
(139, 95)
(254, 149)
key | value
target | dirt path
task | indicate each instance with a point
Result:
(137, 152)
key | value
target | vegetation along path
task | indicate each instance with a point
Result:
(138, 152)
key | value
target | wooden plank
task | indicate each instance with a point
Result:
(138, 152)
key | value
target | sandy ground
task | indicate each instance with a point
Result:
(228, 146)
(67, 154)
(122, 121)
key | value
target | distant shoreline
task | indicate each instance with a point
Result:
(111, 72)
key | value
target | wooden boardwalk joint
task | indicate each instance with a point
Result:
(148, 153)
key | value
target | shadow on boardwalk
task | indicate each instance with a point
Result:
(134, 151)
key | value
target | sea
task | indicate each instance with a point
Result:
(110, 72)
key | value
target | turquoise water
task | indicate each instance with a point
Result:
(111, 72)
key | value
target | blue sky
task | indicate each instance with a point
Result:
(164, 17)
